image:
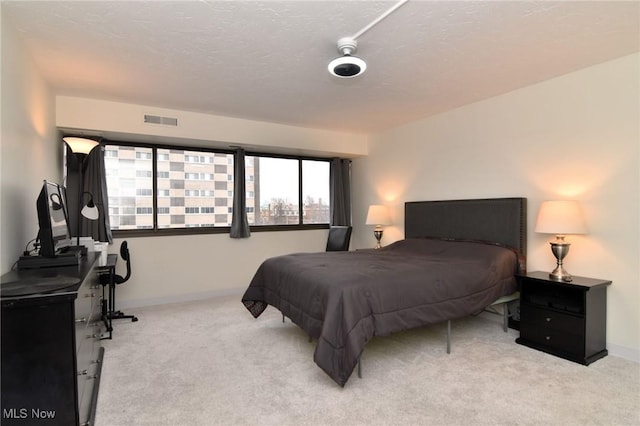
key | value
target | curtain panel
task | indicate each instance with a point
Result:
(340, 187)
(239, 221)
(91, 168)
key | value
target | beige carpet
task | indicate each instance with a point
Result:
(210, 362)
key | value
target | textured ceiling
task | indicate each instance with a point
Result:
(267, 60)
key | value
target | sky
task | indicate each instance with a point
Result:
(278, 179)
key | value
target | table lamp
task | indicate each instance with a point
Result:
(378, 215)
(560, 218)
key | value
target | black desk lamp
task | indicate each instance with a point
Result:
(81, 147)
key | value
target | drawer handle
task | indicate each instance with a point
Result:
(83, 373)
(547, 337)
(90, 295)
(92, 336)
(549, 319)
(81, 320)
(92, 377)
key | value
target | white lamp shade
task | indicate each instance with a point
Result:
(378, 215)
(80, 145)
(560, 218)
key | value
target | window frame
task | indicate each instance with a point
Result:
(157, 232)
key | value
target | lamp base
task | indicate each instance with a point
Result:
(378, 234)
(560, 249)
(560, 274)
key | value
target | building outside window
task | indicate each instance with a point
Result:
(195, 188)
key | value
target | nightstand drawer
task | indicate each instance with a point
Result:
(553, 320)
(555, 340)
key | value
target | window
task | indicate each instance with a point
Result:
(315, 191)
(140, 155)
(126, 191)
(157, 189)
(287, 191)
(176, 201)
(185, 179)
(278, 188)
(198, 159)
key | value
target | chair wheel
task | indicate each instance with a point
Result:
(134, 319)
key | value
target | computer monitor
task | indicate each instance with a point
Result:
(53, 219)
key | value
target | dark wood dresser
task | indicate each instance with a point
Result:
(51, 350)
(566, 319)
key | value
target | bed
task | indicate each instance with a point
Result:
(458, 256)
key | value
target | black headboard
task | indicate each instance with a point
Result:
(498, 220)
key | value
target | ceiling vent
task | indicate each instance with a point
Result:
(156, 119)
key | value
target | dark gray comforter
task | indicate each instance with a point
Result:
(345, 298)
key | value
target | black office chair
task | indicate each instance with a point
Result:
(339, 237)
(117, 280)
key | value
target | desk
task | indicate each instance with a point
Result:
(108, 303)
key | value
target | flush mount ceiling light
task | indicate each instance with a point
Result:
(347, 65)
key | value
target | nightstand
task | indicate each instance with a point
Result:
(566, 319)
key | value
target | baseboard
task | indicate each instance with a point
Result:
(139, 303)
(624, 352)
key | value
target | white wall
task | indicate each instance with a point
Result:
(28, 149)
(126, 120)
(572, 137)
(180, 268)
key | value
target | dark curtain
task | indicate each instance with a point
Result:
(239, 222)
(340, 187)
(95, 183)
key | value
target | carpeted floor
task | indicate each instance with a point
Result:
(211, 363)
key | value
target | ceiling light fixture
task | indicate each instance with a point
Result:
(347, 65)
